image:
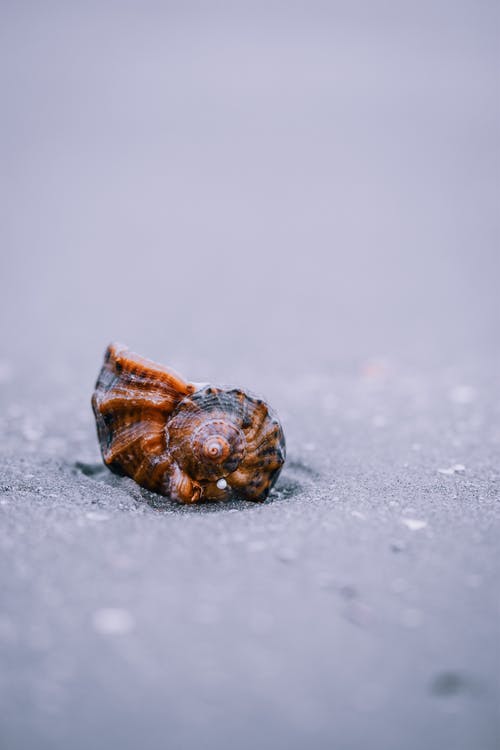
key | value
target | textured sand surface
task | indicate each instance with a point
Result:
(358, 607)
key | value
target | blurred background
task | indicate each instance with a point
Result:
(300, 198)
(306, 183)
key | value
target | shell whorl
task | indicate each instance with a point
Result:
(213, 448)
(216, 441)
(204, 435)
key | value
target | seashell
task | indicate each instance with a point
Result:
(188, 441)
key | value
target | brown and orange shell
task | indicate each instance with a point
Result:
(188, 442)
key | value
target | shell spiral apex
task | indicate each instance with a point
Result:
(184, 441)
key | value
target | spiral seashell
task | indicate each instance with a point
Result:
(185, 441)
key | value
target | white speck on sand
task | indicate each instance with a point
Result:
(113, 621)
(455, 469)
(414, 524)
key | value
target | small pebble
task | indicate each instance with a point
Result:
(414, 524)
(455, 469)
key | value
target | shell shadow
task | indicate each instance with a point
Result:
(90, 470)
(291, 483)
